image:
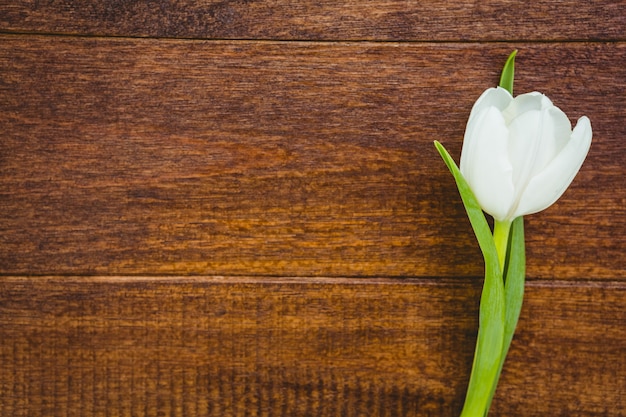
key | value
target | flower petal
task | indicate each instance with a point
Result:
(525, 103)
(498, 98)
(537, 136)
(546, 187)
(491, 97)
(485, 163)
(556, 131)
(525, 130)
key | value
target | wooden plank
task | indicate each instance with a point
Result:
(326, 347)
(226, 158)
(324, 20)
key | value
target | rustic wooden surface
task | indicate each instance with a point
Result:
(389, 20)
(178, 157)
(234, 208)
(325, 347)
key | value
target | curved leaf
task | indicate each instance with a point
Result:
(490, 340)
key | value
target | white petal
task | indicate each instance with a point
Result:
(529, 124)
(485, 164)
(537, 136)
(525, 130)
(491, 97)
(546, 187)
(556, 131)
(525, 103)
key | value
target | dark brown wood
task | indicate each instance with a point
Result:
(327, 347)
(300, 159)
(198, 200)
(324, 20)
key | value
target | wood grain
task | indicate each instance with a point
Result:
(327, 347)
(199, 201)
(124, 156)
(467, 20)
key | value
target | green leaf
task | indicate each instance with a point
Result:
(473, 209)
(515, 279)
(508, 73)
(489, 344)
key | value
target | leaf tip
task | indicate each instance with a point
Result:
(508, 73)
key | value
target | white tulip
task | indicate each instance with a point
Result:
(520, 154)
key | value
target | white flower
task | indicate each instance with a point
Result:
(520, 154)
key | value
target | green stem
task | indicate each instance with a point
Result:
(501, 231)
(515, 276)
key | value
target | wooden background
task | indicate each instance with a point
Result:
(234, 208)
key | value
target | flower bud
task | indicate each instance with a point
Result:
(520, 154)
